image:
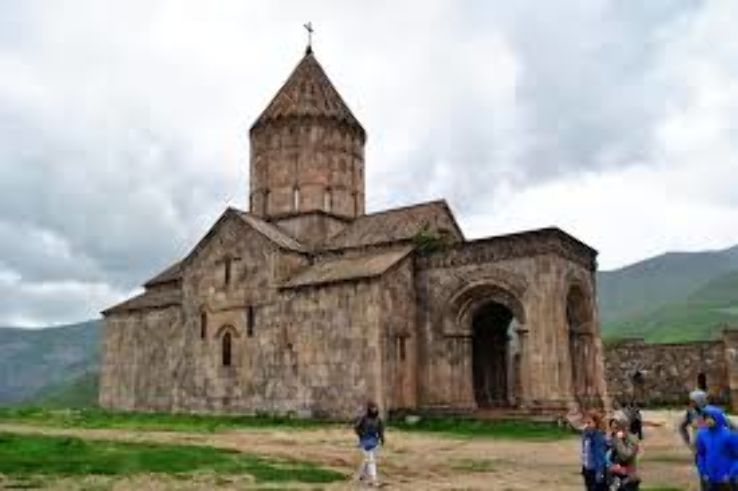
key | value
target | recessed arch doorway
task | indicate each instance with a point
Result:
(494, 356)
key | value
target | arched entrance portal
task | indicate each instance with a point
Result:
(493, 357)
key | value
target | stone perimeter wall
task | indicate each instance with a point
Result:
(664, 374)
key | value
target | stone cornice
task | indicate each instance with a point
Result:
(520, 245)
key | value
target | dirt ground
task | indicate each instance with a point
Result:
(410, 461)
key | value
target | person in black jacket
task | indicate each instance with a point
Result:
(370, 430)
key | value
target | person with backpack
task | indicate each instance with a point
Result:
(370, 430)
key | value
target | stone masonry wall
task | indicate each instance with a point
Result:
(313, 164)
(312, 351)
(312, 229)
(399, 340)
(668, 372)
(141, 359)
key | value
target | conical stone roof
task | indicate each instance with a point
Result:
(308, 92)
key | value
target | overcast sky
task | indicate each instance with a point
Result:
(123, 125)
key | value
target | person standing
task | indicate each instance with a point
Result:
(636, 420)
(594, 449)
(692, 416)
(370, 430)
(714, 453)
(698, 401)
(625, 449)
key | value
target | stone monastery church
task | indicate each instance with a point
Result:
(308, 305)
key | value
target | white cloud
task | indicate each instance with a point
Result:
(123, 126)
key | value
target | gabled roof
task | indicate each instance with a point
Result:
(394, 225)
(271, 232)
(348, 268)
(172, 273)
(156, 298)
(308, 92)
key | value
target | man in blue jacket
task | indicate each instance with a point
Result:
(714, 453)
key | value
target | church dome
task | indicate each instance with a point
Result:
(308, 93)
(307, 150)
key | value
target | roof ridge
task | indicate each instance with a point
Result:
(346, 230)
(347, 268)
(286, 241)
(439, 201)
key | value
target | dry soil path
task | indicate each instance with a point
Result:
(412, 461)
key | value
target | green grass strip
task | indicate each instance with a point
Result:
(26, 455)
(100, 418)
(503, 429)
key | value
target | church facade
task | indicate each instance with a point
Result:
(308, 305)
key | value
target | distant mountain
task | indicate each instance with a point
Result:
(78, 392)
(672, 297)
(44, 360)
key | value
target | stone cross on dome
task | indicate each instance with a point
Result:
(309, 28)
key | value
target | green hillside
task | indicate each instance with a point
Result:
(79, 392)
(682, 309)
(33, 360)
(646, 286)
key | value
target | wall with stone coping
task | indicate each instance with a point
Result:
(668, 372)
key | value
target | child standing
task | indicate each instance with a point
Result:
(625, 451)
(594, 449)
(370, 430)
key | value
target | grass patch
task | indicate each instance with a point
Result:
(668, 458)
(661, 488)
(100, 418)
(38, 455)
(473, 465)
(470, 428)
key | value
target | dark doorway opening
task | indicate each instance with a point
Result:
(639, 387)
(490, 355)
(702, 381)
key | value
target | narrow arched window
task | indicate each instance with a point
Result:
(265, 204)
(227, 349)
(203, 325)
(250, 321)
(702, 381)
(227, 270)
(327, 200)
(296, 199)
(401, 347)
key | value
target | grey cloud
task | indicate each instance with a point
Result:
(589, 97)
(109, 171)
(109, 210)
